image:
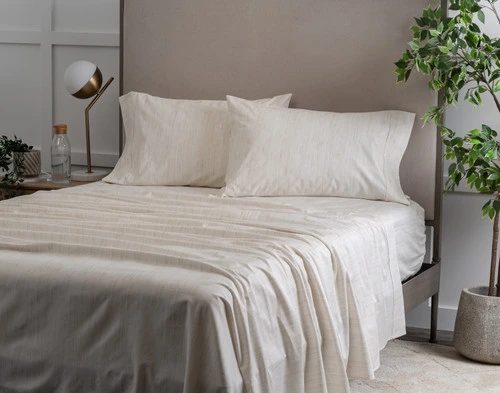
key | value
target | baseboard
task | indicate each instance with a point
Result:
(420, 317)
(423, 335)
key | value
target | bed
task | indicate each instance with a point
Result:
(147, 288)
(175, 289)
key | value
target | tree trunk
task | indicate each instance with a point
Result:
(493, 269)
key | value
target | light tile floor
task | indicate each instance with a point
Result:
(413, 367)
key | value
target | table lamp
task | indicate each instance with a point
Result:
(83, 79)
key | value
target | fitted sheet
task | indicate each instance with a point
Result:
(110, 288)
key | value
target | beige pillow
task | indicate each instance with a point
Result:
(277, 151)
(175, 142)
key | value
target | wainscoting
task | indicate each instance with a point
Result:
(39, 39)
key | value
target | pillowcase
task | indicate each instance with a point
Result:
(276, 151)
(175, 142)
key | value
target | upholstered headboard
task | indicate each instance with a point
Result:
(334, 55)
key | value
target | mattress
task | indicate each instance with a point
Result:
(107, 288)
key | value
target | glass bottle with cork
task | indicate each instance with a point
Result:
(60, 155)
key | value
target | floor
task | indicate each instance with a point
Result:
(420, 367)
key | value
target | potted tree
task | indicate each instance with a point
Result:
(17, 159)
(461, 59)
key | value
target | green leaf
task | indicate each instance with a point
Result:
(401, 64)
(497, 86)
(420, 22)
(443, 49)
(452, 168)
(480, 15)
(413, 45)
(473, 101)
(486, 129)
(486, 209)
(474, 7)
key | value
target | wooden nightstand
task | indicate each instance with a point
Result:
(29, 187)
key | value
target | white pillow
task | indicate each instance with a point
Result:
(175, 142)
(276, 151)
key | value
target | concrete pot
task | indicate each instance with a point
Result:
(477, 327)
(32, 163)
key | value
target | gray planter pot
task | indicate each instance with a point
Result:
(477, 327)
(32, 163)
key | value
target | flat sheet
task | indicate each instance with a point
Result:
(106, 288)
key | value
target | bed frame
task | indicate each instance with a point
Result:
(332, 55)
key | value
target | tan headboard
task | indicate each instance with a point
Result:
(334, 55)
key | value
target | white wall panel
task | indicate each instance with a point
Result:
(38, 40)
(87, 16)
(20, 87)
(20, 14)
(104, 116)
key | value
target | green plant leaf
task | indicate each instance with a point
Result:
(486, 209)
(401, 64)
(452, 168)
(413, 45)
(497, 87)
(480, 16)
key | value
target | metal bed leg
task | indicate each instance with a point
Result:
(434, 317)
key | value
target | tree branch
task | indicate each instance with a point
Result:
(483, 79)
(494, 246)
(494, 10)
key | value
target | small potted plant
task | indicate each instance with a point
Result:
(460, 58)
(17, 159)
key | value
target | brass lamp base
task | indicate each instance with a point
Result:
(95, 175)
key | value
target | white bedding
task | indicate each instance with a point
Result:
(107, 288)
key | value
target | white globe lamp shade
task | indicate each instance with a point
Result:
(82, 79)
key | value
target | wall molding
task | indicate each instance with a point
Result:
(72, 38)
